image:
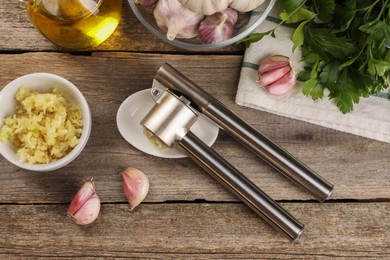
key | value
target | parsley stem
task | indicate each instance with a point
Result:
(382, 10)
(291, 14)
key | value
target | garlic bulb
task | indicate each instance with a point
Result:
(179, 22)
(245, 5)
(207, 7)
(277, 75)
(218, 27)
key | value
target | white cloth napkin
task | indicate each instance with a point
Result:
(370, 118)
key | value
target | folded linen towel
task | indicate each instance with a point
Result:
(370, 118)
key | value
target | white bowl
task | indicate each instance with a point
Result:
(43, 82)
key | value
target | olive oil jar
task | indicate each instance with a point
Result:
(75, 24)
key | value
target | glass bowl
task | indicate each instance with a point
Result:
(246, 24)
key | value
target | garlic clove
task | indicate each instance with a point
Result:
(282, 86)
(277, 75)
(135, 186)
(245, 5)
(206, 7)
(145, 2)
(271, 76)
(85, 205)
(273, 62)
(89, 212)
(218, 27)
(176, 20)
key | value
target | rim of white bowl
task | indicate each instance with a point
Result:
(87, 123)
(200, 47)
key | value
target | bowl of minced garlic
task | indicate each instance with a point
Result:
(45, 122)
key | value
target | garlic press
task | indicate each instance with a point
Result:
(178, 104)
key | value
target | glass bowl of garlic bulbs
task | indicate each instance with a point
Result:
(201, 24)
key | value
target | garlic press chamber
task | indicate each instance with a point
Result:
(170, 120)
(280, 159)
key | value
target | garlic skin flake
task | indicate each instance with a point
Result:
(176, 20)
(277, 75)
(245, 5)
(206, 7)
(85, 206)
(135, 186)
(218, 27)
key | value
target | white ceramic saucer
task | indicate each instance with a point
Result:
(134, 109)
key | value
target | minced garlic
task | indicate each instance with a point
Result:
(45, 127)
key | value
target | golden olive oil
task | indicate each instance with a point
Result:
(75, 24)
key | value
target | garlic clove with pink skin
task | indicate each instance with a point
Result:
(270, 77)
(145, 2)
(85, 206)
(135, 186)
(176, 20)
(277, 75)
(282, 86)
(218, 27)
(273, 62)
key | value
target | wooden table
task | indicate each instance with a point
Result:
(186, 213)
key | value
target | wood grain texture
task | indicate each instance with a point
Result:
(18, 34)
(196, 231)
(186, 215)
(358, 167)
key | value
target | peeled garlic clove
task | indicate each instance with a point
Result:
(85, 205)
(135, 186)
(145, 2)
(206, 7)
(218, 27)
(179, 22)
(277, 75)
(245, 5)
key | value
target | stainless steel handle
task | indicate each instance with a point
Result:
(270, 152)
(240, 186)
(273, 154)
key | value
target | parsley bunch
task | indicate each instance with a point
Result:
(345, 45)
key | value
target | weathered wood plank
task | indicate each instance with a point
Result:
(358, 167)
(18, 34)
(194, 231)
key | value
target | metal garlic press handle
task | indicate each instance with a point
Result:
(270, 152)
(240, 186)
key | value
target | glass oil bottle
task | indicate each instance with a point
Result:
(75, 24)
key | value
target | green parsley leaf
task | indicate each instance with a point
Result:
(330, 73)
(290, 5)
(298, 35)
(378, 67)
(329, 46)
(310, 57)
(325, 9)
(304, 75)
(300, 15)
(348, 94)
(255, 37)
(313, 88)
